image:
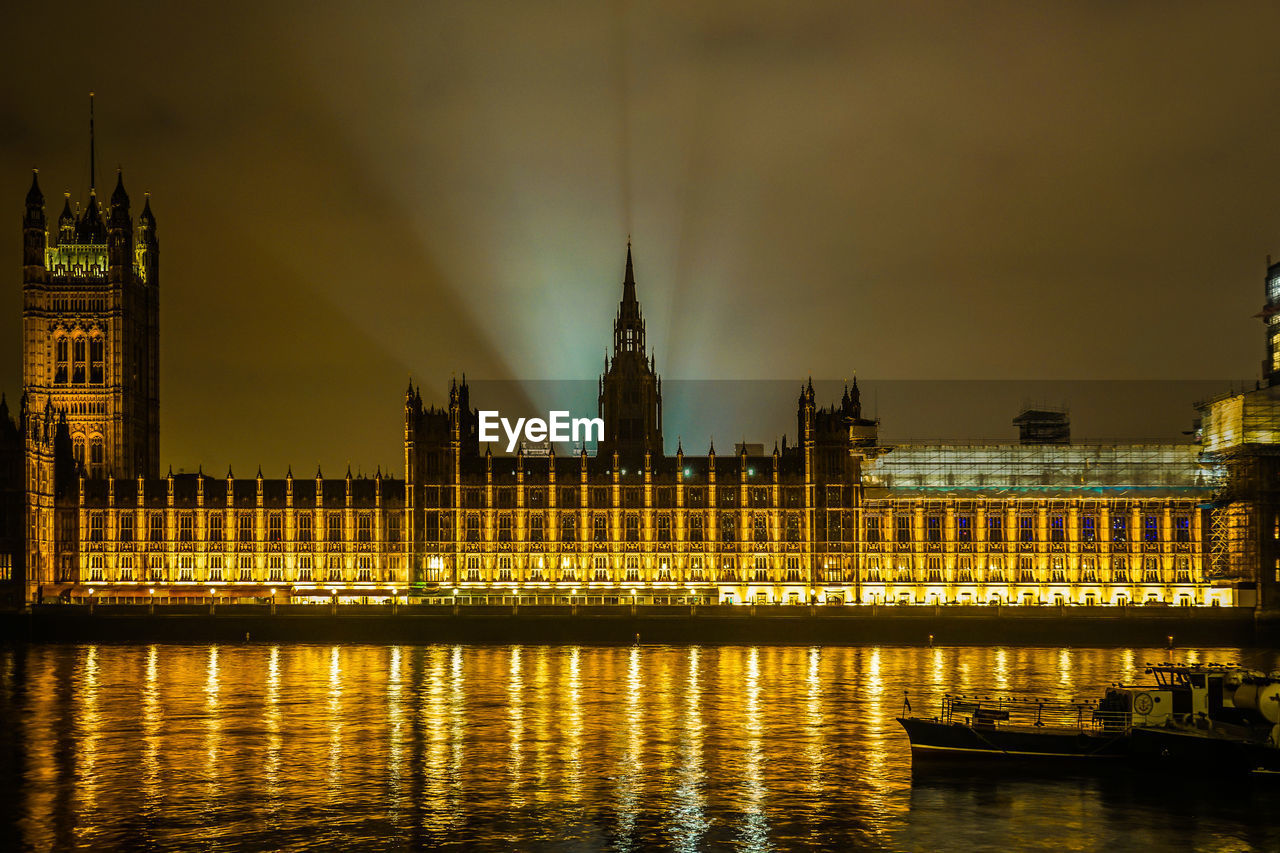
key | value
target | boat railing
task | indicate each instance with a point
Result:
(995, 711)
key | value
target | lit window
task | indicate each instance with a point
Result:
(62, 359)
(78, 362)
(96, 361)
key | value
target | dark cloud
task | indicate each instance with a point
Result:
(350, 193)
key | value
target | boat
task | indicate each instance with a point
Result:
(1015, 727)
(1218, 718)
(1206, 717)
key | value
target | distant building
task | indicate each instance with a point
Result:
(1043, 426)
(833, 516)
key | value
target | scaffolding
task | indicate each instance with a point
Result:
(1240, 434)
(1233, 421)
(1111, 470)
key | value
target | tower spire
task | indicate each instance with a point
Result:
(92, 158)
(629, 280)
(630, 399)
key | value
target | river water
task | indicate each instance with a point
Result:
(350, 747)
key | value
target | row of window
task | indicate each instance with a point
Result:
(1088, 528)
(244, 527)
(79, 361)
(159, 570)
(504, 569)
(757, 528)
(729, 528)
(1025, 571)
(599, 570)
(96, 449)
(632, 497)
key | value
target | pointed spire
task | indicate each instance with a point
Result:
(147, 217)
(92, 156)
(119, 196)
(90, 229)
(288, 474)
(259, 470)
(629, 301)
(35, 198)
(229, 474)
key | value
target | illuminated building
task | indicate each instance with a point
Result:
(832, 517)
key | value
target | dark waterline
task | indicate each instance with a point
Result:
(308, 747)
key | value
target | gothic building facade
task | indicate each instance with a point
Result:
(832, 516)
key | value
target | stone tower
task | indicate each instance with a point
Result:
(90, 358)
(90, 329)
(630, 389)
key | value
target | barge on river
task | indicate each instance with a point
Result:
(1211, 717)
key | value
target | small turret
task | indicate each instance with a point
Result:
(147, 218)
(90, 229)
(34, 236)
(120, 233)
(119, 198)
(35, 197)
(66, 222)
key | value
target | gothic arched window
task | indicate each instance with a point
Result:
(62, 355)
(97, 371)
(78, 360)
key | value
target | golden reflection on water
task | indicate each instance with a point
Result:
(626, 748)
(688, 820)
(755, 825)
(333, 775)
(515, 725)
(573, 728)
(90, 731)
(396, 734)
(271, 715)
(814, 725)
(631, 767)
(151, 732)
(213, 727)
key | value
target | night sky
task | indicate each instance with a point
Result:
(350, 195)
